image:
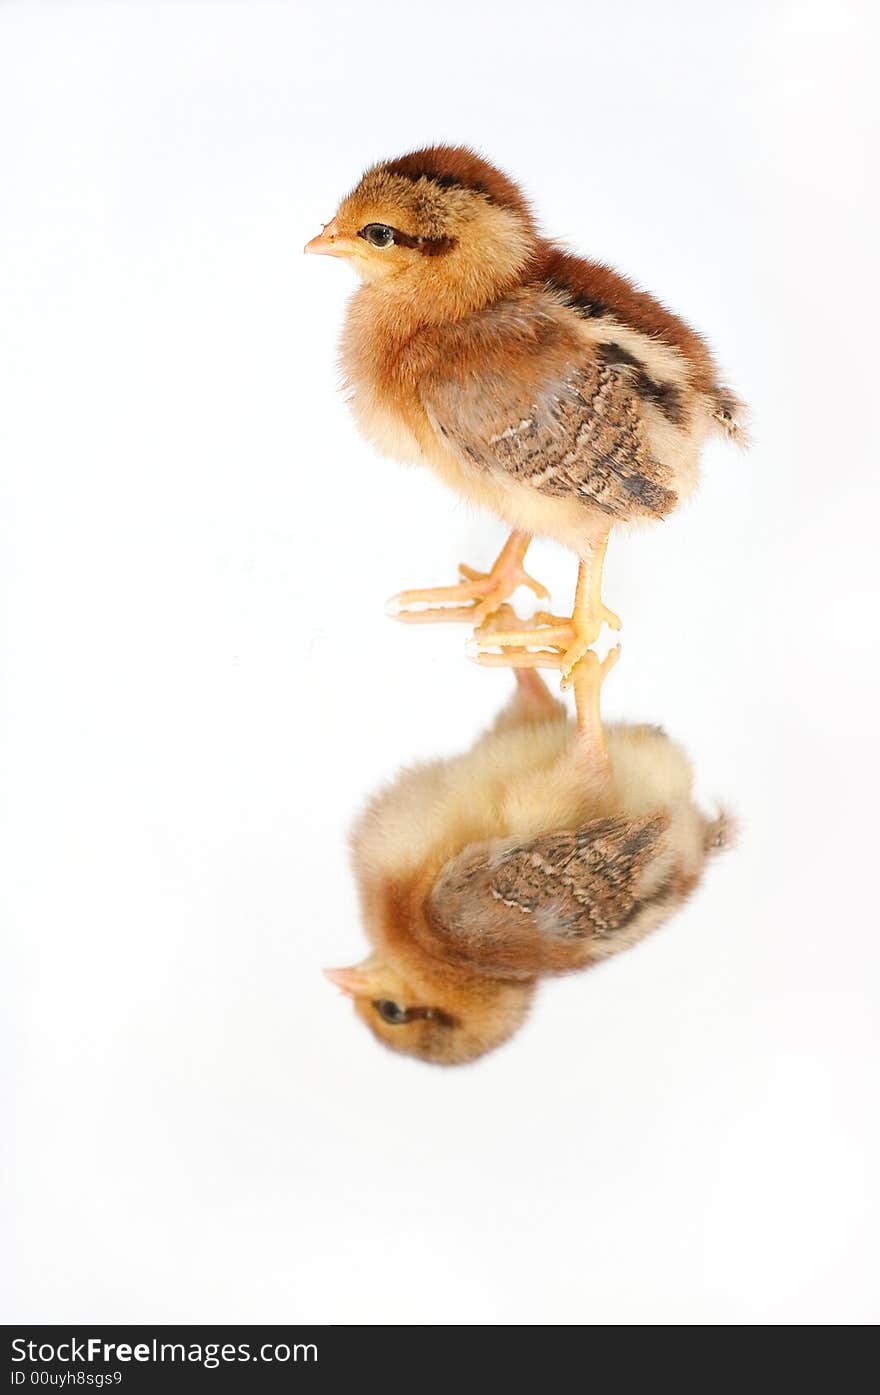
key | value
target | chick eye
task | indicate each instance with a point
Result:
(377, 234)
(392, 1013)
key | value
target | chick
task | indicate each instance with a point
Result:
(543, 386)
(539, 851)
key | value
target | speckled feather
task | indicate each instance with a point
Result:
(580, 434)
(524, 907)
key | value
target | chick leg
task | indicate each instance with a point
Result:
(557, 641)
(532, 703)
(533, 694)
(477, 596)
(587, 679)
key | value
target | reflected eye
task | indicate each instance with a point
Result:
(377, 234)
(392, 1013)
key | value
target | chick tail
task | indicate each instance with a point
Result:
(731, 416)
(720, 833)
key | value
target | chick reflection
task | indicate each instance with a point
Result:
(545, 848)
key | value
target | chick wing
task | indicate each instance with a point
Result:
(515, 908)
(518, 393)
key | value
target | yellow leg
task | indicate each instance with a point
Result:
(533, 691)
(477, 596)
(533, 703)
(588, 676)
(555, 641)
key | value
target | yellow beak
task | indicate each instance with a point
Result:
(355, 982)
(331, 243)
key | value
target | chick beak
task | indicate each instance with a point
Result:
(353, 982)
(330, 242)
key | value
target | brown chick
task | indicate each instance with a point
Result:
(536, 852)
(543, 386)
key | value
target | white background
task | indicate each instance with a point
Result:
(201, 685)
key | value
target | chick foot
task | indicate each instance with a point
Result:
(477, 596)
(556, 641)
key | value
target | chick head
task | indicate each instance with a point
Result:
(429, 1015)
(437, 219)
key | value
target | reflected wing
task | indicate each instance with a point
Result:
(516, 908)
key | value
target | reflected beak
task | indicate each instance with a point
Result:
(353, 982)
(330, 242)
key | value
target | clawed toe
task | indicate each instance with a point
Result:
(553, 641)
(500, 639)
(477, 596)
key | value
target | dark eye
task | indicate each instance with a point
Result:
(392, 1013)
(377, 234)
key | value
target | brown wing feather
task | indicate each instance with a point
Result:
(544, 410)
(517, 909)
